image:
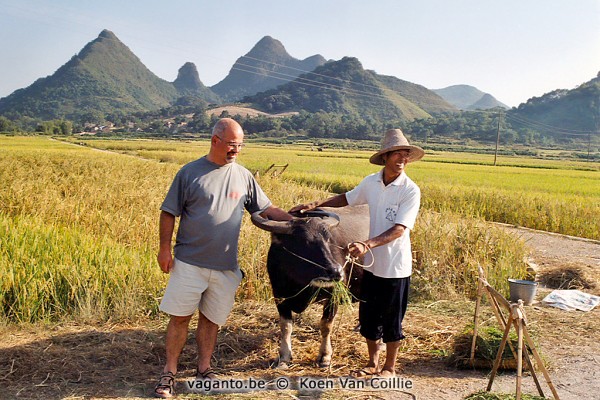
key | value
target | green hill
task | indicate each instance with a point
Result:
(424, 98)
(345, 87)
(266, 66)
(105, 77)
(188, 83)
(563, 110)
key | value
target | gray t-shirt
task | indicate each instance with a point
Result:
(210, 199)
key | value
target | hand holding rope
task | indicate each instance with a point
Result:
(355, 251)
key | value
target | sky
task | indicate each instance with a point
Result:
(512, 49)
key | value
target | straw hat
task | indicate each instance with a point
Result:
(394, 140)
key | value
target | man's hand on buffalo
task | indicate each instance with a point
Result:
(302, 208)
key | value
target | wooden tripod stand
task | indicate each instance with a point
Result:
(518, 320)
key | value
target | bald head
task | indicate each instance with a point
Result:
(226, 142)
(225, 125)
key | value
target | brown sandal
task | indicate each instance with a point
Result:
(365, 372)
(165, 388)
(209, 373)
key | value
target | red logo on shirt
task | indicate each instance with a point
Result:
(234, 195)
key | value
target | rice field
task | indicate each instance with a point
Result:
(549, 195)
(79, 226)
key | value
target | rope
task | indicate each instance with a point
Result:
(353, 259)
(349, 259)
(304, 259)
(279, 300)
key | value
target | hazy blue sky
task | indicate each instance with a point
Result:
(513, 49)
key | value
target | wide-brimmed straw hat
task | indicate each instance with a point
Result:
(394, 140)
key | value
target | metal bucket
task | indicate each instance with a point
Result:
(523, 290)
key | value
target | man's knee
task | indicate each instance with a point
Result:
(204, 321)
(180, 321)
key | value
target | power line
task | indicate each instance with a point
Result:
(521, 119)
(310, 72)
(518, 119)
(534, 124)
(313, 83)
(541, 126)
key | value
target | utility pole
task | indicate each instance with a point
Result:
(589, 145)
(497, 138)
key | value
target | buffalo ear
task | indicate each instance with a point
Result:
(277, 227)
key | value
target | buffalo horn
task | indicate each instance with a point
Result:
(330, 218)
(277, 227)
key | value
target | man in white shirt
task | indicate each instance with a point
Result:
(394, 201)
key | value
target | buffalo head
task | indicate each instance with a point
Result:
(304, 251)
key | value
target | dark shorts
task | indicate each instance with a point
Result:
(383, 308)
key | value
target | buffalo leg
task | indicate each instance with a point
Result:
(285, 345)
(326, 351)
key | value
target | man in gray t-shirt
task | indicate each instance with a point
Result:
(211, 211)
(209, 196)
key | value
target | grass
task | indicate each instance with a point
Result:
(483, 395)
(78, 236)
(79, 229)
(488, 343)
(551, 195)
(51, 272)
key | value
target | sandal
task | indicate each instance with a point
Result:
(386, 373)
(165, 388)
(208, 373)
(364, 372)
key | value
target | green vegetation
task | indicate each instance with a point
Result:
(483, 395)
(105, 78)
(574, 110)
(51, 271)
(105, 89)
(487, 345)
(345, 88)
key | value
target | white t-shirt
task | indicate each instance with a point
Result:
(396, 203)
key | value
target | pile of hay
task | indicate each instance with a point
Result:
(500, 396)
(486, 348)
(568, 277)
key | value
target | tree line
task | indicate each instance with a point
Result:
(192, 115)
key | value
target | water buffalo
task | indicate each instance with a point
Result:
(306, 258)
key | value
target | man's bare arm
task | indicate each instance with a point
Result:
(335, 201)
(276, 214)
(166, 227)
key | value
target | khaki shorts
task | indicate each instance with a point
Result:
(210, 291)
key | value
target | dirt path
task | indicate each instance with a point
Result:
(554, 248)
(569, 340)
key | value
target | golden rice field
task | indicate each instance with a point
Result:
(79, 227)
(549, 195)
